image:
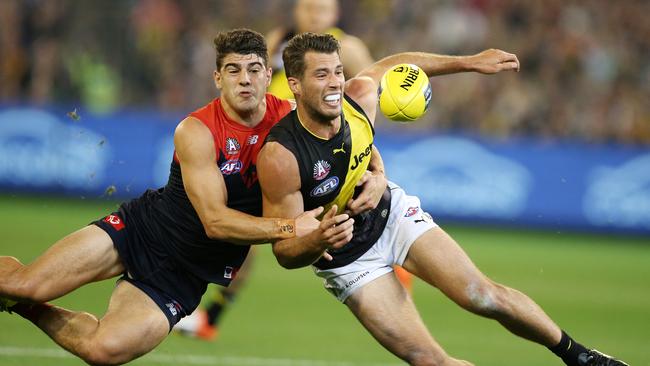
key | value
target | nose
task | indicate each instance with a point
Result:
(244, 78)
(333, 82)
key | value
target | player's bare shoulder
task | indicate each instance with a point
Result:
(363, 90)
(192, 137)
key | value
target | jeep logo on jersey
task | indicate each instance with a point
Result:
(359, 158)
(321, 169)
(232, 146)
(326, 187)
(230, 167)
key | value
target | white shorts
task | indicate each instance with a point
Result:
(406, 223)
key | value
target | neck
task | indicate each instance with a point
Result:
(249, 118)
(322, 128)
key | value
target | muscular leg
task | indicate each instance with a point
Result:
(132, 326)
(84, 256)
(386, 310)
(437, 259)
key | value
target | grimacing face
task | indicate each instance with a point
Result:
(243, 80)
(321, 86)
(316, 16)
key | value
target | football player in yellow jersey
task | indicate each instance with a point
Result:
(331, 112)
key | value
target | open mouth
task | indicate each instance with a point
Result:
(332, 100)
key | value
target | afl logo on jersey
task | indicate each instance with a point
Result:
(326, 187)
(230, 167)
(321, 169)
(232, 146)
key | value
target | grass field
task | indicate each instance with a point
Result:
(595, 287)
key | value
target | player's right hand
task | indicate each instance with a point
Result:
(335, 230)
(492, 61)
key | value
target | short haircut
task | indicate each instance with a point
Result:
(293, 55)
(242, 41)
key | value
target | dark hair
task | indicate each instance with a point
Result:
(242, 41)
(293, 55)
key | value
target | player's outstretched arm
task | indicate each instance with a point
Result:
(279, 178)
(490, 61)
(206, 190)
(363, 87)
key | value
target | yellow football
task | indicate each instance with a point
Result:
(404, 93)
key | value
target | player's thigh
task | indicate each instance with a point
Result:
(387, 311)
(132, 326)
(436, 258)
(87, 255)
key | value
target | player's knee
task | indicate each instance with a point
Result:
(486, 298)
(107, 352)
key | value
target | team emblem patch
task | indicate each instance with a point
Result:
(230, 167)
(321, 169)
(412, 211)
(115, 221)
(232, 146)
(329, 185)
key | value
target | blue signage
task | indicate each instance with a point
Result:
(516, 181)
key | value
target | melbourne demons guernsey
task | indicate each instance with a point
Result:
(330, 170)
(179, 230)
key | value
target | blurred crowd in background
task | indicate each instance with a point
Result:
(585, 64)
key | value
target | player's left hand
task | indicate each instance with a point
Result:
(373, 187)
(492, 61)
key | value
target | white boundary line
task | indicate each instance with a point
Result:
(186, 359)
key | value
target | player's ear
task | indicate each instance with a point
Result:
(269, 75)
(217, 79)
(294, 85)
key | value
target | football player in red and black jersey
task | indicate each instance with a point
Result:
(168, 244)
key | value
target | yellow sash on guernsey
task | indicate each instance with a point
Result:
(360, 153)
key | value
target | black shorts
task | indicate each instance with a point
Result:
(176, 291)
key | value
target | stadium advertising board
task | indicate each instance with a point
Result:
(556, 185)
